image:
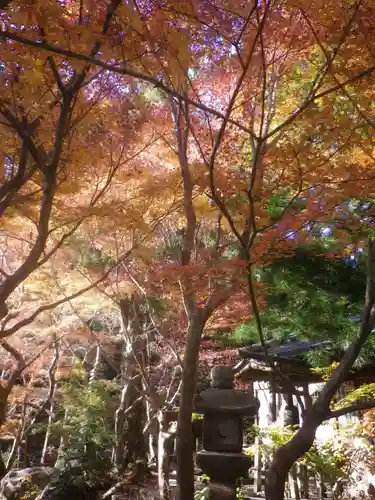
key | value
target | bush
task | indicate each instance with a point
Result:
(87, 428)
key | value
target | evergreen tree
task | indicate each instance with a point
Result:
(315, 297)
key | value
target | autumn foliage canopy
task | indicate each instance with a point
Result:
(173, 148)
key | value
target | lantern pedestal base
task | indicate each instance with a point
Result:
(223, 470)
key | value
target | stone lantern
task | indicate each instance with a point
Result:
(223, 409)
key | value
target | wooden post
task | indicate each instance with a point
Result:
(293, 483)
(307, 397)
(273, 406)
(257, 467)
(303, 481)
(257, 455)
(321, 488)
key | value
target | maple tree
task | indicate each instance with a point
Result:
(64, 155)
(259, 101)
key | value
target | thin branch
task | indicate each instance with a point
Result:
(49, 167)
(20, 362)
(219, 138)
(320, 77)
(9, 188)
(344, 91)
(49, 190)
(170, 91)
(51, 389)
(358, 406)
(25, 132)
(123, 71)
(56, 74)
(47, 307)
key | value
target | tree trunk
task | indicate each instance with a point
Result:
(152, 432)
(63, 442)
(185, 439)
(17, 443)
(288, 454)
(3, 469)
(4, 394)
(133, 368)
(119, 447)
(167, 433)
(136, 446)
(47, 435)
(293, 483)
(93, 375)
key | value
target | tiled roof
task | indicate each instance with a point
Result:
(291, 349)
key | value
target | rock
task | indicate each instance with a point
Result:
(20, 481)
(70, 492)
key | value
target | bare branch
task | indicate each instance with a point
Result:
(56, 74)
(51, 389)
(20, 361)
(47, 307)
